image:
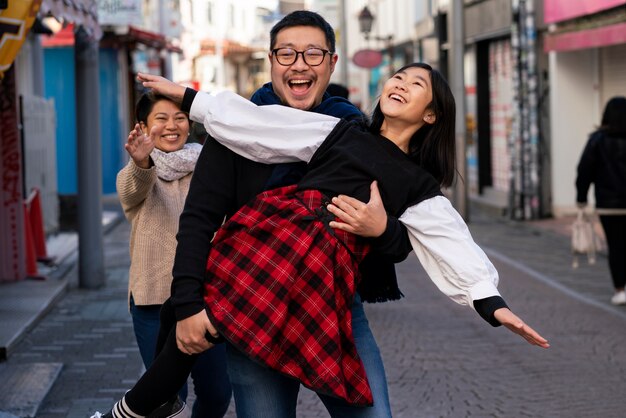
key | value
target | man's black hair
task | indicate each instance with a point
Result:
(304, 18)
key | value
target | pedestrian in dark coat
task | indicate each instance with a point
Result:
(603, 163)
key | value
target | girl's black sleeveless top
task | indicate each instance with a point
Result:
(351, 157)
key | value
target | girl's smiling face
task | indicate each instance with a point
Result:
(406, 97)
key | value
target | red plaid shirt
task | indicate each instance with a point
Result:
(280, 287)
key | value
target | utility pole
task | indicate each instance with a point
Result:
(166, 59)
(343, 58)
(89, 155)
(457, 83)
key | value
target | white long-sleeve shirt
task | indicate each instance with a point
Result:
(279, 134)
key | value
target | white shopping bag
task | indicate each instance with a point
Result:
(584, 238)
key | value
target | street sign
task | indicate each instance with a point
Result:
(367, 58)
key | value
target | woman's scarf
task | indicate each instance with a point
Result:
(175, 165)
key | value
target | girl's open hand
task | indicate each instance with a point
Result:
(516, 325)
(163, 86)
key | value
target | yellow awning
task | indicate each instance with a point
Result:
(16, 21)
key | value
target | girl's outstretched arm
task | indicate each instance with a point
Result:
(260, 133)
(456, 264)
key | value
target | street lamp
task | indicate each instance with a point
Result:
(366, 18)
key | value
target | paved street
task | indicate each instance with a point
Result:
(442, 360)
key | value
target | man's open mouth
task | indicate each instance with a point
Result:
(300, 85)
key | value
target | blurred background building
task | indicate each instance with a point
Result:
(535, 75)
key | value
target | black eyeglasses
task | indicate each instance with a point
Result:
(312, 56)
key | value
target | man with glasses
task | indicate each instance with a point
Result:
(302, 57)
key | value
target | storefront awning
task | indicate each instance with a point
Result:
(122, 36)
(584, 39)
(228, 48)
(560, 10)
(78, 12)
(125, 34)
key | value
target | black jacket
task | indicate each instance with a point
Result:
(603, 163)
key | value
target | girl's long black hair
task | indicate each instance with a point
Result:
(432, 147)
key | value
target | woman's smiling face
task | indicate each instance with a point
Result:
(174, 125)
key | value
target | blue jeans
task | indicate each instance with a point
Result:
(264, 393)
(210, 379)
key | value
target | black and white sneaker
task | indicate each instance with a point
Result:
(101, 415)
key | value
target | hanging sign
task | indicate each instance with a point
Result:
(367, 58)
(119, 12)
(15, 22)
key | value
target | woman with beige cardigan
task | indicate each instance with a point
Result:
(152, 189)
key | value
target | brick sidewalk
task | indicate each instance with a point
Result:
(441, 359)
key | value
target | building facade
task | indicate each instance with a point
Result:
(225, 44)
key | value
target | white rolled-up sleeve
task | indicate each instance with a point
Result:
(443, 243)
(267, 134)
